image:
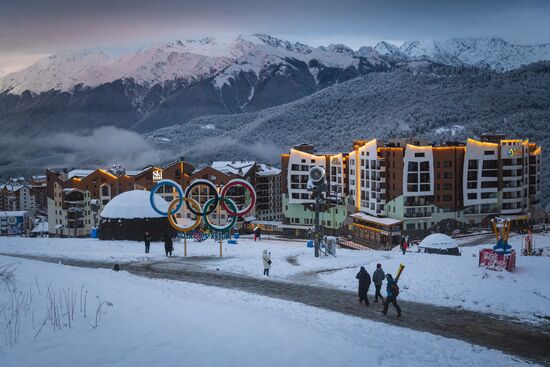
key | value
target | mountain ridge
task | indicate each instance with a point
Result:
(191, 60)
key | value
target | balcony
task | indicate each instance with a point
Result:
(418, 214)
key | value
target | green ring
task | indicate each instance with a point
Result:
(228, 226)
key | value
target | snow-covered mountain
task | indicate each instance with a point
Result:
(494, 53)
(254, 57)
(186, 61)
(181, 60)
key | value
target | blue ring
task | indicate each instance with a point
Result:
(154, 191)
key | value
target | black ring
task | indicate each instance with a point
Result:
(214, 205)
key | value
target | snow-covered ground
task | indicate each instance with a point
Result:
(454, 281)
(168, 323)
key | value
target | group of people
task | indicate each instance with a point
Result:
(168, 243)
(392, 289)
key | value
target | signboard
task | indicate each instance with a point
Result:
(157, 175)
(515, 152)
(12, 226)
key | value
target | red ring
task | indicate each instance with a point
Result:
(245, 184)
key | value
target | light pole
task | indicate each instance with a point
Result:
(317, 184)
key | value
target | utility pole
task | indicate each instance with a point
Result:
(317, 233)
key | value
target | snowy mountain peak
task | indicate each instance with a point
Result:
(494, 52)
(195, 59)
(340, 49)
(279, 43)
(386, 48)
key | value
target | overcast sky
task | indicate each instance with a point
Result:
(30, 29)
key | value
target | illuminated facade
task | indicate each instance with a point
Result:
(423, 188)
(76, 198)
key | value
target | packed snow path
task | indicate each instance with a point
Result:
(526, 341)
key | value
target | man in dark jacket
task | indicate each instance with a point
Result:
(364, 284)
(378, 279)
(147, 239)
(168, 245)
(392, 291)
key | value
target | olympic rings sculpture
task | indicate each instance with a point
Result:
(218, 198)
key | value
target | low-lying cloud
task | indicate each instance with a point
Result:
(105, 146)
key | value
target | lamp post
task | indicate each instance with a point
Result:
(317, 184)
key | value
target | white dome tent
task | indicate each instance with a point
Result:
(129, 215)
(134, 204)
(439, 243)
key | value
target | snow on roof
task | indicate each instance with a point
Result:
(40, 227)
(370, 218)
(11, 187)
(267, 170)
(233, 167)
(79, 173)
(134, 204)
(15, 213)
(132, 172)
(439, 241)
(268, 222)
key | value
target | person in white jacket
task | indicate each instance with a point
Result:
(267, 262)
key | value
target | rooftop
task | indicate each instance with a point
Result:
(233, 167)
(267, 170)
(381, 221)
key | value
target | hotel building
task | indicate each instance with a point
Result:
(77, 197)
(406, 186)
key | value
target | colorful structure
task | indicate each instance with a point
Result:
(216, 200)
(502, 256)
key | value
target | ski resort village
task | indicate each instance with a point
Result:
(395, 252)
(292, 183)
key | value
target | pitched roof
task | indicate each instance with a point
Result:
(233, 167)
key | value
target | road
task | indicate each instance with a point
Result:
(528, 342)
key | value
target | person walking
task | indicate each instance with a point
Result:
(266, 258)
(378, 279)
(364, 283)
(255, 233)
(168, 245)
(392, 290)
(404, 246)
(259, 234)
(147, 238)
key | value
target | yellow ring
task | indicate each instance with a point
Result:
(173, 223)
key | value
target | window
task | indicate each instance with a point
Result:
(472, 196)
(413, 166)
(472, 164)
(489, 184)
(447, 164)
(489, 152)
(412, 177)
(447, 175)
(425, 187)
(424, 177)
(424, 166)
(447, 197)
(410, 226)
(490, 164)
(419, 155)
(488, 195)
